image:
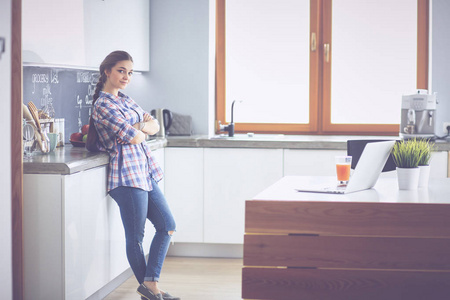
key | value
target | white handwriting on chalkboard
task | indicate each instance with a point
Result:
(83, 77)
(54, 78)
(87, 100)
(46, 99)
(80, 123)
(79, 101)
(38, 78)
(87, 77)
(91, 91)
(92, 79)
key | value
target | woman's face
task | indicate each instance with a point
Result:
(119, 76)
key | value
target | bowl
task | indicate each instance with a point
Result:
(78, 143)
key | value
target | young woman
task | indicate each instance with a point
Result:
(133, 172)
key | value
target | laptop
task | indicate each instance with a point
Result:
(366, 173)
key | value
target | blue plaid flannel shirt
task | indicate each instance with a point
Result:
(129, 165)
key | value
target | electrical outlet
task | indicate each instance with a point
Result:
(446, 124)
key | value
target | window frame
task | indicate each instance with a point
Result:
(320, 77)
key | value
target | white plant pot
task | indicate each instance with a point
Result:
(424, 176)
(408, 178)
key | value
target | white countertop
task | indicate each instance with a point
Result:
(385, 191)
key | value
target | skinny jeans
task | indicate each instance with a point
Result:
(137, 205)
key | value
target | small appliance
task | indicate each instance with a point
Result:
(418, 115)
(164, 117)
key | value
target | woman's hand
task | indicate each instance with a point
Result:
(148, 126)
(151, 125)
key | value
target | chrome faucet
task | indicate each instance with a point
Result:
(230, 127)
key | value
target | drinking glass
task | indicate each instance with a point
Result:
(28, 139)
(343, 164)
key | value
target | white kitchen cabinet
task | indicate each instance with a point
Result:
(82, 32)
(231, 177)
(53, 32)
(310, 162)
(42, 237)
(439, 164)
(184, 192)
(67, 231)
(74, 242)
(117, 25)
(87, 227)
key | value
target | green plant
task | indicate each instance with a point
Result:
(425, 147)
(407, 154)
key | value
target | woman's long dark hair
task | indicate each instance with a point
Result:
(107, 64)
(93, 143)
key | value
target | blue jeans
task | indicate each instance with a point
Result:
(136, 205)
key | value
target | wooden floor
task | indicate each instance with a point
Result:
(192, 279)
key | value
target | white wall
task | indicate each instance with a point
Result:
(440, 41)
(179, 61)
(5, 155)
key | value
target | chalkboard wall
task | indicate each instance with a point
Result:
(68, 91)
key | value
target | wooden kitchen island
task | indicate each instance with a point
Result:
(381, 243)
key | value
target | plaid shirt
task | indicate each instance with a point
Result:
(129, 165)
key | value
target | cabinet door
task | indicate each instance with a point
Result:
(232, 176)
(117, 25)
(43, 237)
(439, 164)
(184, 191)
(90, 261)
(53, 32)
(82, 32)
(310, 162)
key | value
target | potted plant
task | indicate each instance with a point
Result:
(425, 147)
(407, 155)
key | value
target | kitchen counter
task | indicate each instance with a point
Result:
(278, 141)
(69, 159)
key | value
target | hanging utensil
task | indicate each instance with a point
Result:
(27, 115)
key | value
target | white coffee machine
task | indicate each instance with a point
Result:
(418, 115)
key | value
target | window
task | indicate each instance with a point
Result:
(319, 66)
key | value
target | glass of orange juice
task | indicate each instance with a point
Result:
(343, 164)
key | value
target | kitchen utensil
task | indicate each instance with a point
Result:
(164, 117)
(35, 114)
(27, 115)
(28, 136)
